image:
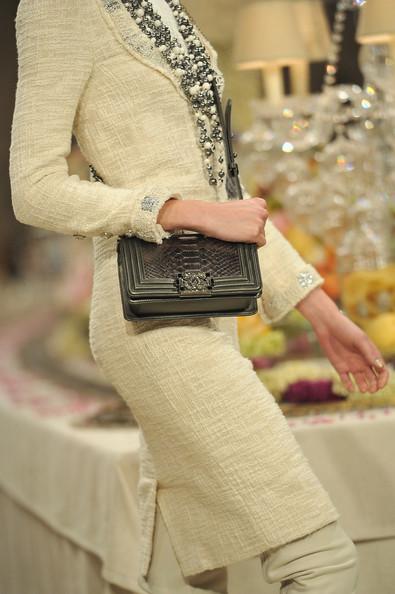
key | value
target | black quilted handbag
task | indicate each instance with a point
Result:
(189, 274)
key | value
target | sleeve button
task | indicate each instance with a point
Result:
(149, 203)
(305, 279)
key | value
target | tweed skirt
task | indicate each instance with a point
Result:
(217, 454)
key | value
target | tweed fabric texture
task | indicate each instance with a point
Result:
(217, 454)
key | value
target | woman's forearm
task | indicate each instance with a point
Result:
(317, 307)
(183, 214)
(231, 220)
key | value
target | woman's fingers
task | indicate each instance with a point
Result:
(361, 381)
(347, 383)
(371, 380)
(367, 380)
(371, 353)
(375, 361)
(382, 376)
(261, 239)
(238, 220)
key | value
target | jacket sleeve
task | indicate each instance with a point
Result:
(286, 277)
(55, 59)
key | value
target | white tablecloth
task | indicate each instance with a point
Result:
(81, 483)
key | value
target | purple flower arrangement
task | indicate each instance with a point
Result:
(305, 391)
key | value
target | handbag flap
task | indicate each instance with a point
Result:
(188, 264)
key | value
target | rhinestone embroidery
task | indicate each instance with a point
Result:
(149, 203)
(111, 5)
(305, 279)
(193, 71)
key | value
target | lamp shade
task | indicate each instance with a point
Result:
(312, 23)
(377, 22)
(266, 35)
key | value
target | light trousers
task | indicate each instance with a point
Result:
(323, 562)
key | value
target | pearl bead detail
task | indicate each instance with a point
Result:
(192, 68)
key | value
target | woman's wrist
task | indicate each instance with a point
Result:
(319, 309)
(184, 214)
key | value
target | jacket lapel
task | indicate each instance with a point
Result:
(142, 47)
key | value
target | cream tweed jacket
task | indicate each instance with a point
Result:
(217, 454)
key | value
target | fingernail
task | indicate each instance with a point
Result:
(379, 363)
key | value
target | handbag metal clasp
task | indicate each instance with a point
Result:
(194, 283)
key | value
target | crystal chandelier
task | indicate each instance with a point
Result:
(330, 157)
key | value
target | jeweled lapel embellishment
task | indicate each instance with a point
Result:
(192, 70)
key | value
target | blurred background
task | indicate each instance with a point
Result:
(313, 89)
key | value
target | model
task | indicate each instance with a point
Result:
(219, 465)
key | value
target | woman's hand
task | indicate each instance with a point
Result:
(347, 347)
(237, 220)
(232, 220)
